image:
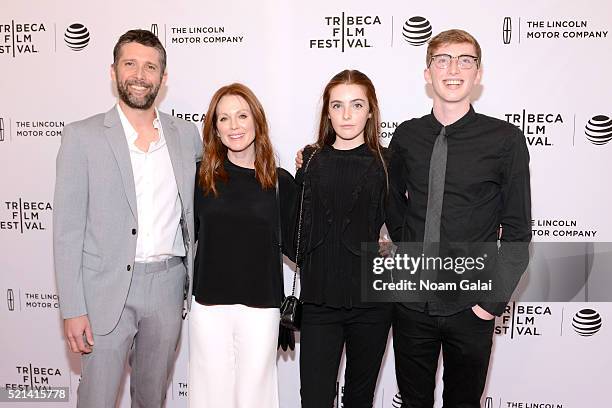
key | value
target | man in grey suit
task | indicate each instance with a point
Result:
(123, 232)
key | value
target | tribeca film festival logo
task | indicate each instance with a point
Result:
(536, 126)
(586, 322)
(522, 320)
(196, 117)
(17, 38)
(558, 29)
(25, 216)
(598, 130)
(347, 32)
(76, 36)
(36, 377)
(417, 30)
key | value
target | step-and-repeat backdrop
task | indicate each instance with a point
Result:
(546, 69)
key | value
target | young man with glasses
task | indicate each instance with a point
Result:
(457, 176)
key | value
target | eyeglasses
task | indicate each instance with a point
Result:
(442, 61)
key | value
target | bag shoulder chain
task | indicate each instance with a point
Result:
(299, 233)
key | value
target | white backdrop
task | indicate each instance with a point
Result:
(546, 69)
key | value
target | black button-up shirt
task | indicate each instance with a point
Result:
(486, 186)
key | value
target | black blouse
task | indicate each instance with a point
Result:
(344, 202)
(237, 258)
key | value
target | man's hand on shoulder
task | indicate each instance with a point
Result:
(299, 159)
(78, 334)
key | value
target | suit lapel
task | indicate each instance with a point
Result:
(116, 138)
(173, 141)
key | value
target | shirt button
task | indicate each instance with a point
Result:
(133, 231)
(129, 268)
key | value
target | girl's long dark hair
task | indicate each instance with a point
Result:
(371, 133)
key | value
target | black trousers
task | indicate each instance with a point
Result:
(466, 342)
(324, 333)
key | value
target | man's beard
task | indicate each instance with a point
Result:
(144, 102)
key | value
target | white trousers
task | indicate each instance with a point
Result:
(232, 356)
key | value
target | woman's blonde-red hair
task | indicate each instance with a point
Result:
(215, 152)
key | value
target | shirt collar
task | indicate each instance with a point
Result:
(466, 119)
(130, 133)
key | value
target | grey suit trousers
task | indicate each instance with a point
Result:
(147, 332)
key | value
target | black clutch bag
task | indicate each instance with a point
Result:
(291, 313)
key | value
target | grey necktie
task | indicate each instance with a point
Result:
(435, 196)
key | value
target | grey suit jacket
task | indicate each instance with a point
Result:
(95, 212)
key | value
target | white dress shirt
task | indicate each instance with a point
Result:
(157, 200)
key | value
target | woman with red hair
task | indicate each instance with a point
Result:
(240, 197)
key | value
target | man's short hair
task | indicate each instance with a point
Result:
(454, 36)
(143, 37)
